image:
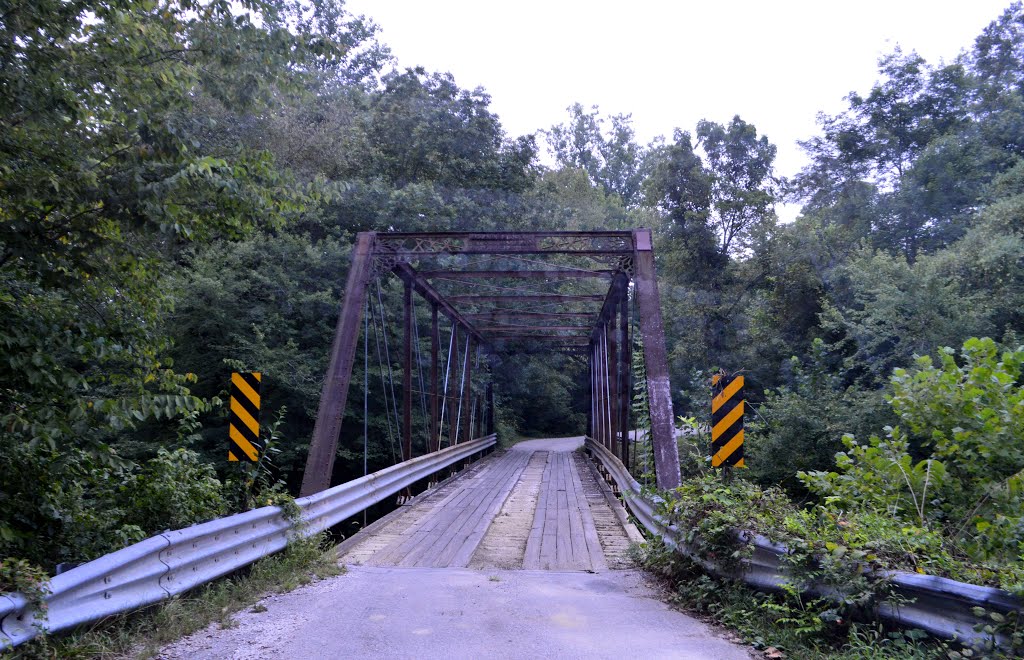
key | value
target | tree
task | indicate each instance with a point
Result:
(612, 159)
(680, 186)
(739, 165)
(104, 176)
(423, 127)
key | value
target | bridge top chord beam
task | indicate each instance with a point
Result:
(581, 340)
(537, 328)
(550, 242)
(534, 298)
(524, 314)
(562, 274)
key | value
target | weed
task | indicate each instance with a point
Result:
(142, 633)
(797, 628)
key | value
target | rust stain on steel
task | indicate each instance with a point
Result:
(516, 314)
(324, 445)
(538, 328)
(659, 392)
(552, 242)
(580, 340)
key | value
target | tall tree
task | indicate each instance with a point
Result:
(104, 175)
(611, 157)
(742, 184)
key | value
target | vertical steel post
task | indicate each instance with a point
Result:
(326, 430)
(435, 348)
(490, 405)
(606, 391)
(590, 393)
(407, 374)
(613, 381)
(625, 370)
(597, 391)
(467, 392)
(666, 452)
(602, 381)
(453, 352)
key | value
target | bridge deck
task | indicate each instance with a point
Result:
(537, 506)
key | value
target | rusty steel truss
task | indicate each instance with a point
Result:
(485, 307)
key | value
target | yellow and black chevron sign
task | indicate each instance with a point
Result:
(245, 417)
(727, 421)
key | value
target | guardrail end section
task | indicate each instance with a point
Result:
(17, 623)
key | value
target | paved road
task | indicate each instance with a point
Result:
(376, 612)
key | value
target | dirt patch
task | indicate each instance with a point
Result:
(505, 542)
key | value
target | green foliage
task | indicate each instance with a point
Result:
(18, 575)
(611, 158)
(881, 476)
(143, 633)
(955, 511)
(799, 426)
(739, 165)
(968, 417)
(784, 623)
(107, 169)
(173, 490)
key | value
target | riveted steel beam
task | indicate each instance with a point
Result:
(451, 275)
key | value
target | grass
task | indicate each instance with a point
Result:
(141, 634)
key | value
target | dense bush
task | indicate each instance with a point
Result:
(969, 419)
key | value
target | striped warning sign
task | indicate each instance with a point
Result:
(727, 421)
(244, 430)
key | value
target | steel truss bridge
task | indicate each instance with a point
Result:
(475, 280)
(539, 505)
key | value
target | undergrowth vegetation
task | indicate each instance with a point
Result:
(940, 495)
(141, 634)
(786, 624)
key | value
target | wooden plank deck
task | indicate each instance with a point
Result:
(451, 531)
(563, 536)
(547, 525)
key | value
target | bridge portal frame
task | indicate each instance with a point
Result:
(605, 341)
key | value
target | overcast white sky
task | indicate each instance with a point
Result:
(670, 64)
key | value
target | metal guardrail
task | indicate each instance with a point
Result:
(173, 562)
(940, 606)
